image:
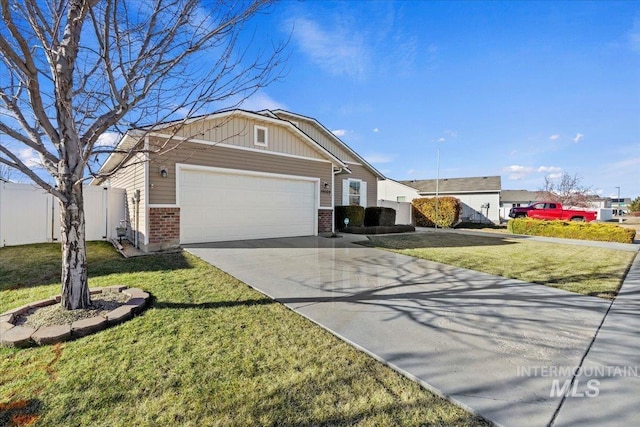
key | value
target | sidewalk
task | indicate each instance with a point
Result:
(611, 370)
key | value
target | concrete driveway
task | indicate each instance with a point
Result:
(496, 346)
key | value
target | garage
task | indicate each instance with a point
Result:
(221, 205)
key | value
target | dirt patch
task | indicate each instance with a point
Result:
(53, 315)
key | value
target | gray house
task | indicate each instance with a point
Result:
(479, 196)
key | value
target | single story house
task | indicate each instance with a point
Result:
(395, 191)
(479, 196)
(236, 175)
(516, 198)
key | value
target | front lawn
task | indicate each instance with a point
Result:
(582, 269)
(210, 351)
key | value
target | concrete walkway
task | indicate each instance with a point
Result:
(491, 344)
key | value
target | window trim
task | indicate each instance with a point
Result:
(256, 130)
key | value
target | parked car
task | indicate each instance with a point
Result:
(551, 211)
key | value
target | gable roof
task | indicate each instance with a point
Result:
(330, 135)
(132, 137)
(481, 184)
(518, 196)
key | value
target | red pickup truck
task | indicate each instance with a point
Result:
(551, 211)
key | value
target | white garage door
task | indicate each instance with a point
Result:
(220, 206)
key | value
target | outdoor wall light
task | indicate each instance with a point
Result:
(164, 172)
(326, 185)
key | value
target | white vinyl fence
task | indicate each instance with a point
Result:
(30, 215)
(403, 210)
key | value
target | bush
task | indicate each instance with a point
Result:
(424, 212)
(374, 216)
(572, 230)
(381, 229)
(354, 213)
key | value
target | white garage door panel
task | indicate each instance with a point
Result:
(218, 206)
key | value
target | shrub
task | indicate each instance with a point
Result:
(635, 205)
(424, 211)
(354, 213)
(572, 230)
(381, 229)
(374, 216)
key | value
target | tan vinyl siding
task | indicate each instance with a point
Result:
(163, 190)
(320, 137)
(131, 178)
(239, 131)
(358, 172)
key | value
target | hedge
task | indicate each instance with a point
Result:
(572, 230)
(381, 229)
(354, 213)
(375, 216)
(424, 211)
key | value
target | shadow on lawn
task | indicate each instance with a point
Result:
(38, 265)
(436, 240)
(213, 304)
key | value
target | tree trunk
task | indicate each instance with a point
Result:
(75, 286)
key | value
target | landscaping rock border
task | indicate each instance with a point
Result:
(23, 336)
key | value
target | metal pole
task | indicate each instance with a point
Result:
(437, 187)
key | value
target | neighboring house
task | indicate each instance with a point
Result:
(479, 196)
(515, 199)
(394, 191)
(237, 175)
(620, 206)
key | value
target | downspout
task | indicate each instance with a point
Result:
(136, 213)
(333, 199)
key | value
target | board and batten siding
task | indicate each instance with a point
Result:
(239, 131)
(320, 137)
(163, 190)
(358, 172)
(131, 178)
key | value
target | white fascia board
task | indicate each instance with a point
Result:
(335, 139)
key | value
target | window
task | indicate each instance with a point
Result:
(354, 192)
(261, 136)
(400, 199)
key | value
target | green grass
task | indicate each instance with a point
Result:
(582, 269)
(210, 351)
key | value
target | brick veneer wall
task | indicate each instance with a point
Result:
(325, 220)
(164, 228)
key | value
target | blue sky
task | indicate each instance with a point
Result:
(517, 89)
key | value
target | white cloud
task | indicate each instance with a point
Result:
(578, 137)
(262, 101)
(549, 169)
(29, 157)
(377, 158)
(376, 130)
(340, 50)
(411, 171)
(554, 137)
(339, 132)
(442, 139)
(108, 139)
(516, 172)
(451, 133)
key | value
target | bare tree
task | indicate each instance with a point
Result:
(73, 70)
(567, 190)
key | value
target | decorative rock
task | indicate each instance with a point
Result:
(136, 293)
(114, 289)
(84, 327)
(52, 334)
(18, 336)
(120, 314)
(137, 303)
(18, 310)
